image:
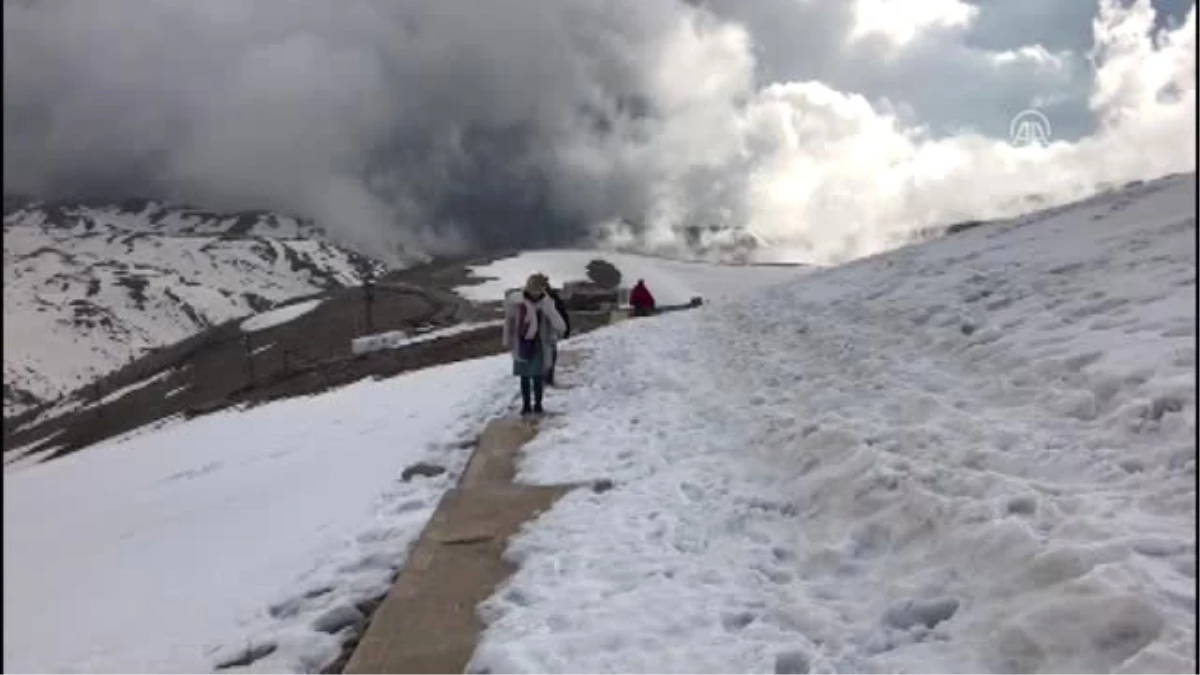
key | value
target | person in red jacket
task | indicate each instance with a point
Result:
(640, 299)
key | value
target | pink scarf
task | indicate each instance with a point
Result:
(527, 313)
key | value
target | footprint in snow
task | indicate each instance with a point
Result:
(195, 473)
(692, 492)
(373, 561)
(733, 622)
(381, 534)
(244, 656)
(336, 618)
(294, 605)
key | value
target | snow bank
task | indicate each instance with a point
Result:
(399, 338)
(672, 281)
(25, 460)
(31, 453)
(975, 455)
(172, 550)
(279, 316)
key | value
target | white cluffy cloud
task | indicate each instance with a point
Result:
(826, 175)
(899, 22)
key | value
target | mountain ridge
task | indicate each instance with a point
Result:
(90, 285)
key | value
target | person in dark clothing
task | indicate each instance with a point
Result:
(561, 307)
(641, 299)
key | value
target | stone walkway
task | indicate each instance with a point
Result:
(427, 623)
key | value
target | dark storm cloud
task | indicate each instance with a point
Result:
(442, 116)
(513, 123)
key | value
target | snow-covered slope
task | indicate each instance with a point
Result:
(671, 281)
(972, 455)
(180, 547)
(976, 454)
(88, 288)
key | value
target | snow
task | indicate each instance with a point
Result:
(279, 316)
(129, 389)
(62, 406)
(90, 289)
(398, 338)
(260, 350)
(671, 281)
(177, 547)
(976, 454)
(973, 455)
(31, 453)
(28, 459)
(75, 403)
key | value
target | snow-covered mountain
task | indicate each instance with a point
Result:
(971, 454)
(975, 454)
(89, 287)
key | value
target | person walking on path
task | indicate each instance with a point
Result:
(561, 308)
(641, 299)
(531, 326)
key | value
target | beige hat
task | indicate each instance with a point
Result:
(536, 283)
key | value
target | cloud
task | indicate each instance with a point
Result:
(826, 174)
(899, 23)
(434, 126)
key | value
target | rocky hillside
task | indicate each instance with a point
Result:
(90, 287)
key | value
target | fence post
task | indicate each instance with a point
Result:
(97, 392)
(369, 298)
(249, 357)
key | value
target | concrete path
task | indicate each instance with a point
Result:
(427, 623)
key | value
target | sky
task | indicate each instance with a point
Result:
(828, 129)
